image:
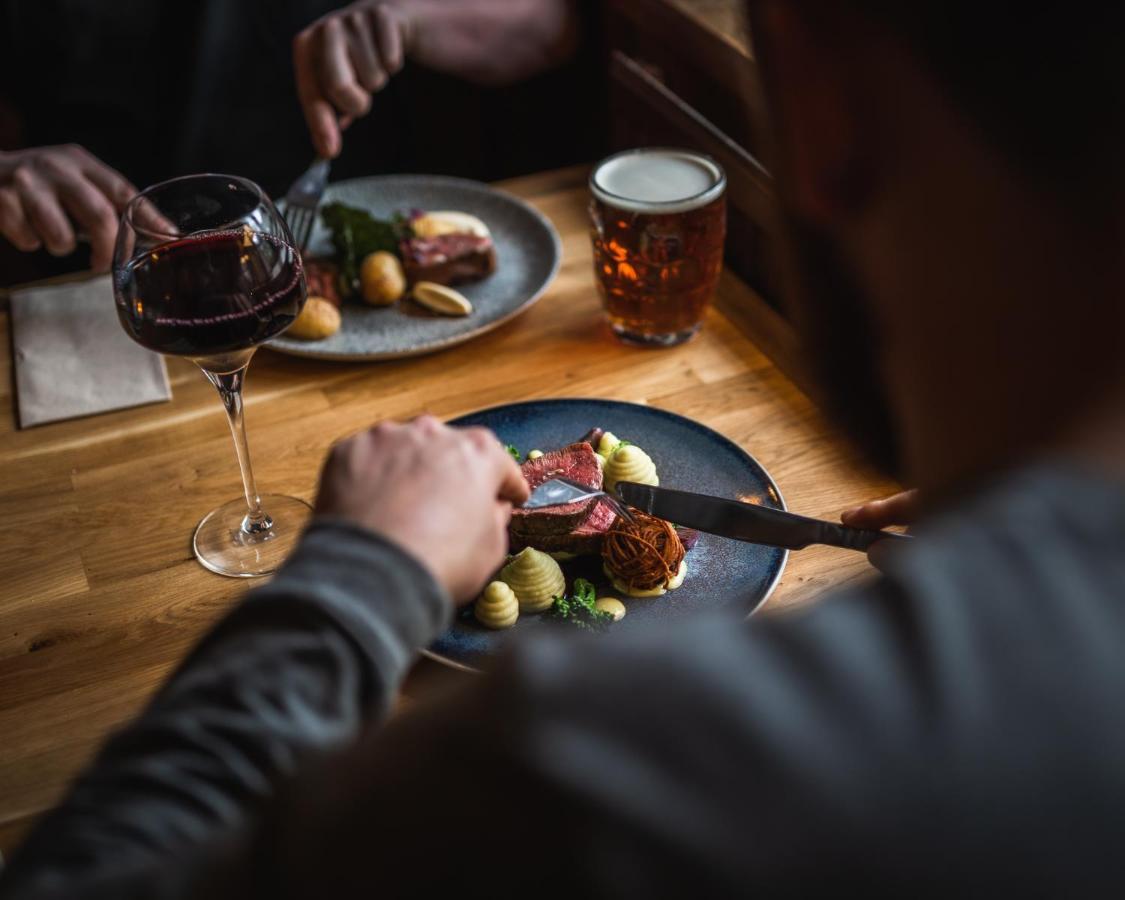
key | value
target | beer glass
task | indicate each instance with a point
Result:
(658, 222)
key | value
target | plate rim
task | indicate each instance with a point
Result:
(480, 187)
(463, 667)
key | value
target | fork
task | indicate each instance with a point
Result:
(302, 200)
(560, 491)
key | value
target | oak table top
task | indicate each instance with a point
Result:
(100, 595)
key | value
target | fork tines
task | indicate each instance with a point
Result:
(303, 199)
(300, 220)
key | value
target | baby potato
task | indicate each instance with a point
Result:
(318, 320)
(381, 279)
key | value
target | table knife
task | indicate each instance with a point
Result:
(746, 521)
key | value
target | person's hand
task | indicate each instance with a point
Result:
(341, 59)
(442, 494)
(47, 194)
(898, 509)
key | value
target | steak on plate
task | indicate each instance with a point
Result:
(579, 463)
(584, 538)
(448, 258)
(322, 278)
(576, 528)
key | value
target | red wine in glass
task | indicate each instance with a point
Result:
(211, 294)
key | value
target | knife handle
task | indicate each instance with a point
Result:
(855, 538)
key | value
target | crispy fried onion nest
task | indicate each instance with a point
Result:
(643, 554)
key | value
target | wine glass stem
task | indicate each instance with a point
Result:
(229, 386)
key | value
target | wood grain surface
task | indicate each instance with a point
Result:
(100, 595)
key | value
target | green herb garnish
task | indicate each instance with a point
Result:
(356, 233)
(577, 608)
(513, 451)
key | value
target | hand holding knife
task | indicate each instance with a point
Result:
(747, 521)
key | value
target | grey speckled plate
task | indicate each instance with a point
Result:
(722, 574)
(528, 252)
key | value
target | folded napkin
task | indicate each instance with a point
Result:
(74, 359)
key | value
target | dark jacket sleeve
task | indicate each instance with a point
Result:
(297, 670)
(953, 730)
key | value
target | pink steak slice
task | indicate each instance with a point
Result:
(583, 539)
(447, 258)
(579, 463)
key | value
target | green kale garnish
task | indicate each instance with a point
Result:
(513, 451)
(356, 233)
(577, 608)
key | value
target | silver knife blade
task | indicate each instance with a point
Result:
(746, 521)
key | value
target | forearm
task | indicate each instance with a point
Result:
(490, 41)
(298, 670)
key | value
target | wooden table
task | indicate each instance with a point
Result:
(101, 597)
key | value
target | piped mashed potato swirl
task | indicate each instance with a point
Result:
(629, 463)
(535, 578)
(497, 607)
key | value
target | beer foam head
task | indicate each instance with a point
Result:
(658, 180)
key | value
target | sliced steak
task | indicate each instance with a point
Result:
(448, 258)
(579, 463)
(586, 538)
(322, 278)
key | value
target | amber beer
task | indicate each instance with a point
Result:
(658, 218)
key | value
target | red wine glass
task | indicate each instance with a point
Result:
(205, 268)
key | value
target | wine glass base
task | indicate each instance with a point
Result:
(223, 546)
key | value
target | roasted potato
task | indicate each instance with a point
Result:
(318, 320)
(381, 279)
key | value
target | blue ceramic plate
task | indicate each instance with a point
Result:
(528, 251)
(722, 573)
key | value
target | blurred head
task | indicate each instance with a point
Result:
(950, 173)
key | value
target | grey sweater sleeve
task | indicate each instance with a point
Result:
(954, 729)
(297, 670)
(942, 732)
